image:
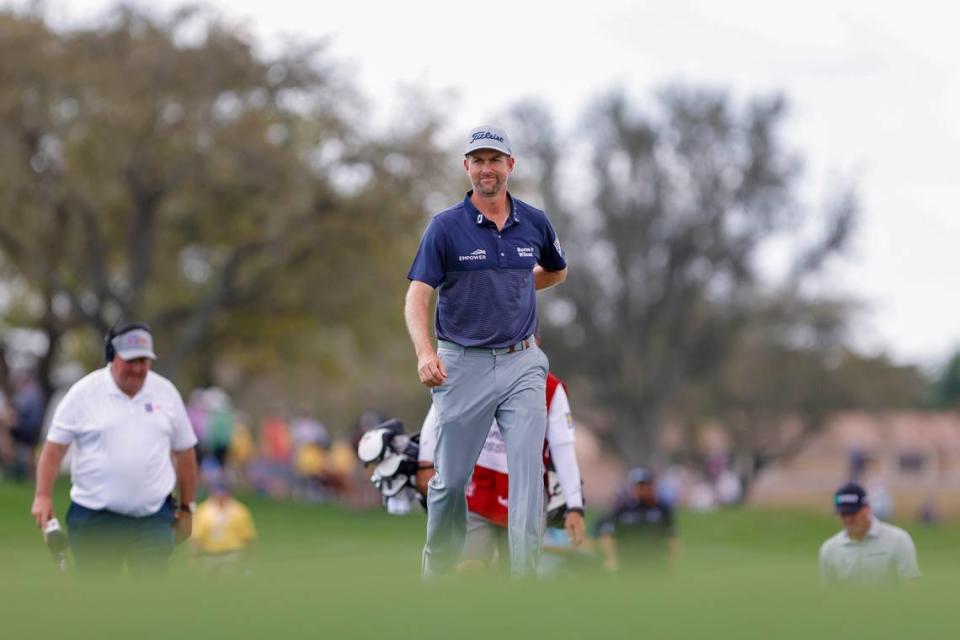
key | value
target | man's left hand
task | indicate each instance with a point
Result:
(576, 529)
(183, 526)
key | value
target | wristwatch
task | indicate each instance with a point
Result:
(189, 507)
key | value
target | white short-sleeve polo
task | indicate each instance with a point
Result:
(886, 555)
(122, 445)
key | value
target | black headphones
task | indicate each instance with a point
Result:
(108, 351)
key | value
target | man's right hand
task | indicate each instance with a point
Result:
(431, 369)
(42, 510)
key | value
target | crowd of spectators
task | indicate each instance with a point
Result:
(287, 455)
(21, 424)
(290, 453)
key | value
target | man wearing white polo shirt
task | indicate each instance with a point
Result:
(867, 551)
(132, 443)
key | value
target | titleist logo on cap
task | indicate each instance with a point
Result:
(485, 135)
(488, 136)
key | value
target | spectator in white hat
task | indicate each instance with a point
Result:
(133, 444)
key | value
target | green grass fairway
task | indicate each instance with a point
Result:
(323, 572)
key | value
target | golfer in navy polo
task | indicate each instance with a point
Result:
(486, 256)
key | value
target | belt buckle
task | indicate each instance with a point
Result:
(520, 346)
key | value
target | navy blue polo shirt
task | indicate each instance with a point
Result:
(486, 295)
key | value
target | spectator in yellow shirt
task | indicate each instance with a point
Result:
(223, 533)
(310, 463)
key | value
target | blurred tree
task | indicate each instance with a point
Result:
(162, 169)
(946, 389)
(788, 370)
(667, 252)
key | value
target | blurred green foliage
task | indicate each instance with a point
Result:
(165, 169)
(946, 388)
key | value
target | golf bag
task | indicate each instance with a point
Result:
(393, 452)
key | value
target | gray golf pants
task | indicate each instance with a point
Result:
(481, 385)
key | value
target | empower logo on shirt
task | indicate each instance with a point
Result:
(479, 254)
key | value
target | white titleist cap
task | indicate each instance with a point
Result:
(488, 137)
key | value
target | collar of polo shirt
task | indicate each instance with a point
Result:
(111, 383)
(480, 219)
(114, 388)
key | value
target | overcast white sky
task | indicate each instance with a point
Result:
(874, 88)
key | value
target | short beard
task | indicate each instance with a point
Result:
(487, 193)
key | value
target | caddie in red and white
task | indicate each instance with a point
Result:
(487, 491)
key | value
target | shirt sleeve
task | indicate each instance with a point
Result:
(67, 419)
(551, 253)
(429, 265)
(428, 436)
(568, 473)
(906, 558)
(559, 418)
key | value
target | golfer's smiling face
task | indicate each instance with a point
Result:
(488, 171)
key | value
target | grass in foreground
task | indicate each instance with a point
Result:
(326, 572)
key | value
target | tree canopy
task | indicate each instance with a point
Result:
(233, 200)
(670, 296)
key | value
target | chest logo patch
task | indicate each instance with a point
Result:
(525, 252)
(479, 254)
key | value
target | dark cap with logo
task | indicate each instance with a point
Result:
(850, 498)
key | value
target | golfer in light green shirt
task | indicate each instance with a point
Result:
(867, 551)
